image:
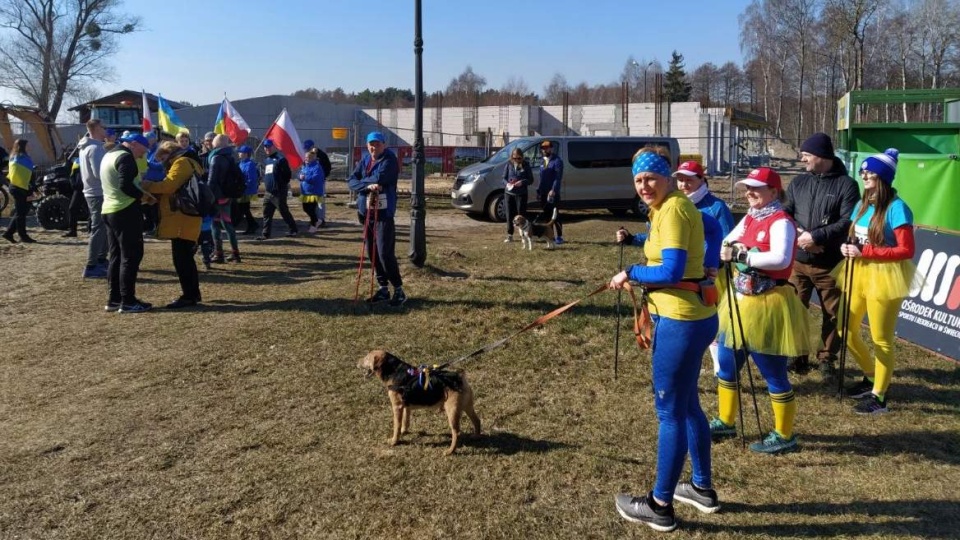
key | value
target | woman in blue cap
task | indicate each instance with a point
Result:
(883, 272)
(252, 175)
(685, 325)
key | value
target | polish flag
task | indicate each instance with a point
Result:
(285, 138)
(147, 124)
(231, 123)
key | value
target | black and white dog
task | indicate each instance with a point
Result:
(530, 230)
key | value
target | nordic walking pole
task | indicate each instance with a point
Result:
(848, 266)
(616, 339)
(746, 360)
(736, 370)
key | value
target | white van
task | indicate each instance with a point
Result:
(596, 174)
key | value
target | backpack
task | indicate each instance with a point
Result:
(235, 183)
(194, 198)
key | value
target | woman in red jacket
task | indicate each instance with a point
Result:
(883, 271)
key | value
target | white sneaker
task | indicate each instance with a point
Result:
(312, 230)
(508, 239)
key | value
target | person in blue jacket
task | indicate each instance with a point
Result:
(251, 175)
(548, 191)
(312, 189)
(693, 183)
(375, 181)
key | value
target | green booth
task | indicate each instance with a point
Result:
(928, 173)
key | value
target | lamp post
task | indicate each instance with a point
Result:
(645, 80)
(418, 207)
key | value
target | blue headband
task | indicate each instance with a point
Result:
(651, 162)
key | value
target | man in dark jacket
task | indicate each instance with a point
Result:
(821, 202)
(548, 190)
(221, 167)
(375, 181)
(276, 183)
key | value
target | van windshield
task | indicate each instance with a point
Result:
(504, 153)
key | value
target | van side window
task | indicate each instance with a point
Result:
(602, 154)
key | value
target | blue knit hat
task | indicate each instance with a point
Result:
(883, 165)
(308, 144)
(244, 150)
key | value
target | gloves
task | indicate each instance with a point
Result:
(624, 237)
(733, 253)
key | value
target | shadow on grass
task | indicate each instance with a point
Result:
(949, 375)
(937, 446)
(922, 518)
(899, 392)
(507, 444)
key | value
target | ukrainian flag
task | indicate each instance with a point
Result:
(20, 171)
(168, 119)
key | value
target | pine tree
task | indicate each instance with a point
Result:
(675, 86)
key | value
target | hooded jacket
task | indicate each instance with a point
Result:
(220, 162)
(173, 223)
(821, 204)
(91, 154)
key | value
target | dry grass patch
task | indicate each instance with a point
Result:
(247, 418)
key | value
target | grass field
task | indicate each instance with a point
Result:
(247, 417)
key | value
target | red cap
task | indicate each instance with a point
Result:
(763, 176)
(689, 168)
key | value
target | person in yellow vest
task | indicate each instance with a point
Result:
(20, 172)
(122, 196)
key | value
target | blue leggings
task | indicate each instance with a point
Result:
(773, 367)
(678, 348)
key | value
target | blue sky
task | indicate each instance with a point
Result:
(196, 51)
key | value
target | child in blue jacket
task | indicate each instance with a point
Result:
(252, 175)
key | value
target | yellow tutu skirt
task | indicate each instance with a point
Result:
(311, 198)
(879, 280)
(774, 322)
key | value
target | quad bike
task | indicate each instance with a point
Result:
(53, 201)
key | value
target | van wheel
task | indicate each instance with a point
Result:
(619, 212)
(640, 209)
(496, 209)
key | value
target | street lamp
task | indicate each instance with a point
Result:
(637, 65)
(418, 206)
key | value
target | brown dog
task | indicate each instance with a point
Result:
(530, 230)
(410, 388)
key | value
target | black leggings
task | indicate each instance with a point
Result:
(310, 208)
(18, 219)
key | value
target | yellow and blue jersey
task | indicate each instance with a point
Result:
(20, 171)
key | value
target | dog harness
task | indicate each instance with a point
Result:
(421, 386)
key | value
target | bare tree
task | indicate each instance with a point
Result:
(464, 88)
(54, 48)
(554, 90)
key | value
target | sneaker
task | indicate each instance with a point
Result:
(136, 307)
(182, 302)
(704, 500)
(871, 405)
(312, 229)
(398, 298)
(721, 430)
(27, 240)
(234, 257)
(775, 444)
(508, 239)
(207, 264)
(641, 510)
(381, 295)
(262, 237)
(559, 240)
(293, 234)
(94, 272)
(111, 307)
(860, 389)
(69, 234)
(8, 236)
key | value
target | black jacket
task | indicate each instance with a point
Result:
(823, 204)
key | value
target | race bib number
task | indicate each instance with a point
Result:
(268, 169)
